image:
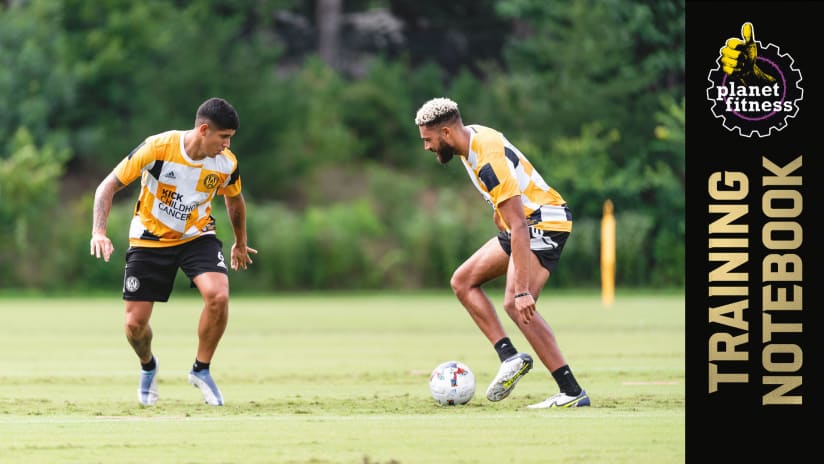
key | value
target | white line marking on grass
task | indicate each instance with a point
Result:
(141, 418)
(591, 413)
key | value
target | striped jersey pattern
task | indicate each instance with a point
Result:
(500, 171)
(176, 192)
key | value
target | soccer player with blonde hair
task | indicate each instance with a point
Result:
(534, 223)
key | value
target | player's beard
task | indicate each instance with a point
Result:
(445, 152)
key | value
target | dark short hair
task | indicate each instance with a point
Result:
(219, 112)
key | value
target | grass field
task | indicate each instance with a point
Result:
(337, 378)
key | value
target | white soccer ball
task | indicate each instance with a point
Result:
(452, 383)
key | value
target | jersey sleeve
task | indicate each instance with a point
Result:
(232, 187)
(496, 174)
(133, 165)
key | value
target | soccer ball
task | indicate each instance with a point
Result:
(452, 383)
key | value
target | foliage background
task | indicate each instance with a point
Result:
(341, 193)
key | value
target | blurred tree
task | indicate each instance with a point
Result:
(36, 84)
(583, 84)
(144, 67)
(29, 184)
(457, 35)
(590, 90)
(329, 22)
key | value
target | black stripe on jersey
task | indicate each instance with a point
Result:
(155, 171)
(488, 177)
(149, 236)
(135, 149)
(212, 225)
(233, 178)
(534, 218)
(568, 212)
(512, 156)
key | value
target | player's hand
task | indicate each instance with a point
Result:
(240, 256)
(526, 308)
(738, 59)
(100, 245)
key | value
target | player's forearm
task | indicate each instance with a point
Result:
(236, 209)
(519, 239)
(103, 204)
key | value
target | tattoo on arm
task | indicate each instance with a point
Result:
(103, 202)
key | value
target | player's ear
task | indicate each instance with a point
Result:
(201, 129)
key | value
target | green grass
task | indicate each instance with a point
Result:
(337, 378)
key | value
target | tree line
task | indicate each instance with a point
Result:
(341, 193)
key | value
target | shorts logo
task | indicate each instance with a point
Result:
(221, 261)
(132, 284)
(755, 89)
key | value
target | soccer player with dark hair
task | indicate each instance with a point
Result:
(180, 172)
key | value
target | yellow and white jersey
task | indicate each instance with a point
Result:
(176, 192)
(500, 171)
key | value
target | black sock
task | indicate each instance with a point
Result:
(199, 366)
(566, 381)
(149, 366)
(505, 349)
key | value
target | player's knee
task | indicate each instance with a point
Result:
(511, 310)
(218, 299)
(135, 326)
(459, 285)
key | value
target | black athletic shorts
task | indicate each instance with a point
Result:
(546, 244)
(150, 272)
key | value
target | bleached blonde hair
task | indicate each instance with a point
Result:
(436, 110)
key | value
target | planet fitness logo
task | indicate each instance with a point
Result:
(755, 88)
